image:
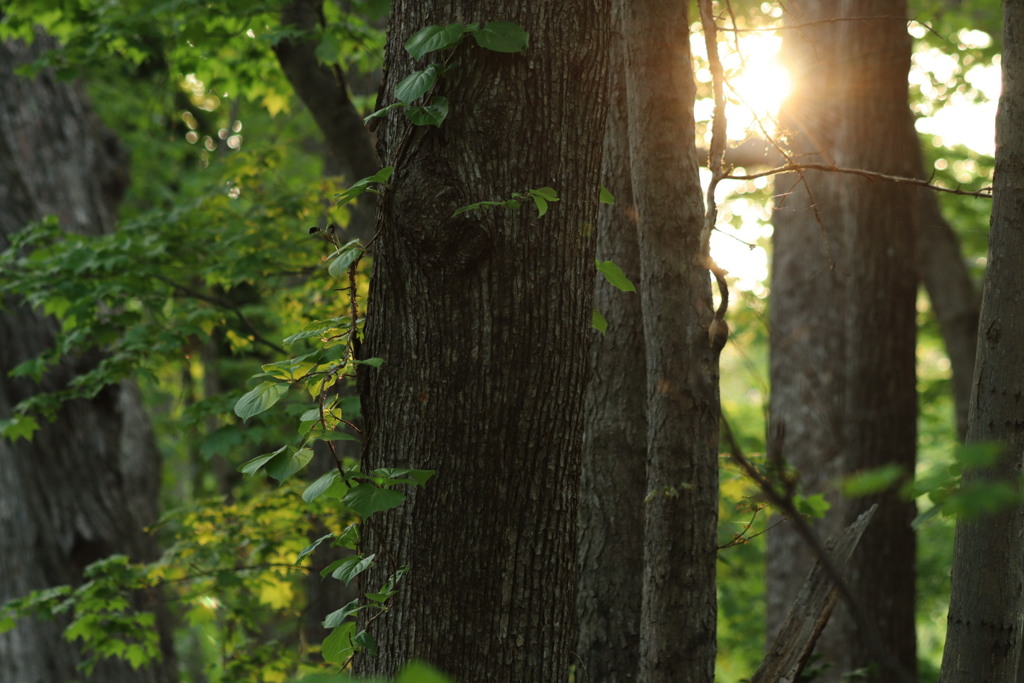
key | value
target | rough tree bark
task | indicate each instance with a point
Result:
(861, 348)
(483, 322)
(677, 632)
(87, 484)
(984, 632)
(615, 441)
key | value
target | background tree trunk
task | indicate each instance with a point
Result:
(88, 483)
(615, 442)
(483, 322)
(984, 633)
(860, 350)
(677, 632)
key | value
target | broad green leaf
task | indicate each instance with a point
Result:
(308, 550)
(329, 48)
(431, 38)
(547, 193)
(260, 398)
(286, 464)
(367, 499)
(372, 362)
(541, 204)
(337, 646)
(335, 618)
(606, 196)
(253, 466)
(366, 641)
(615, 276)
(317, 488)
(598, 322)
(349, 538)
(416, 84)
(432, 114)
(501, 36)
(351, 567)
(363, 185)
(347, 255)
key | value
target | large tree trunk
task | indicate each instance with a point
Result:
(88, 483)
(860, 352)
(483, 322)
(615, 444)
(984, 632)
(677, 632)
(808, 343)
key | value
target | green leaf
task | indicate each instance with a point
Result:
(367, 499)
(416, 84)
(364, 640)
(329, 48)
(813, 506)
(431, 38)
(501, 36)
(19, 427)
(347, 255)
(318, 487)
(615, 276)
(363, 185)
(253, 466)
(351, 567)
(337, 647)
(872, 481)
(335, 618)
(606, 196)
(432, 114)
(260, 398)
(372, 362)
(285, 465)
(598, 322)
(382, 113)
(308, 550)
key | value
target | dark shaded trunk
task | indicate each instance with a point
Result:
(483, 322)
(984, 631)
(88, 483)
(615, 444)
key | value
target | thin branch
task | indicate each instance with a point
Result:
(984, 193)
(220, 303)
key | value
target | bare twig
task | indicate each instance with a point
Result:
(984, 193)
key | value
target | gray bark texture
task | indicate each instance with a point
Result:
(843, 352)
(87, 484)
(677, 632)
(985, 614)
(615, 443)
(483, 322)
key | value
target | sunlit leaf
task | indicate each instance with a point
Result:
(615, 276)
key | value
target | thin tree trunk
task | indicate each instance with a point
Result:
(984, 632)
(483, 322)
(677, 633)
(615, 442)
(88, 483)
